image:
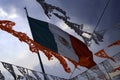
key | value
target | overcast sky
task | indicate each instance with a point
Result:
(81, 11)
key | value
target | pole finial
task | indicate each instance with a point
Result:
(26, 11)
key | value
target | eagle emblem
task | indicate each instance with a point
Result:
(64, 42)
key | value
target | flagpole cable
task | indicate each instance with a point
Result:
(102, 14)
(39, 57)
(72, 73)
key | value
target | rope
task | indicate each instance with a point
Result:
(72, 73)
(101, 15)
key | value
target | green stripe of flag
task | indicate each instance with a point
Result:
(42, 35)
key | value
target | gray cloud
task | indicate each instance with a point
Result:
(80, 11)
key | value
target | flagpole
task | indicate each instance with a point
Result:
(39, 57)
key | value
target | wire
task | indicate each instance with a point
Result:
(101, 15)
(72, 73)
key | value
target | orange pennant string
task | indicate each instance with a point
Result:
(118, 68)
(115, 43)
(103, 54)
(6, 25)
(112, 59)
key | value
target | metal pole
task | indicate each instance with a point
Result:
(41, 64)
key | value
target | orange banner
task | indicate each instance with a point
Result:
(103, 54)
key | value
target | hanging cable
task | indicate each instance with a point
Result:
(72, 73)
(101, 15)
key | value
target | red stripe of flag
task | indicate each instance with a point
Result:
(84, 54)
